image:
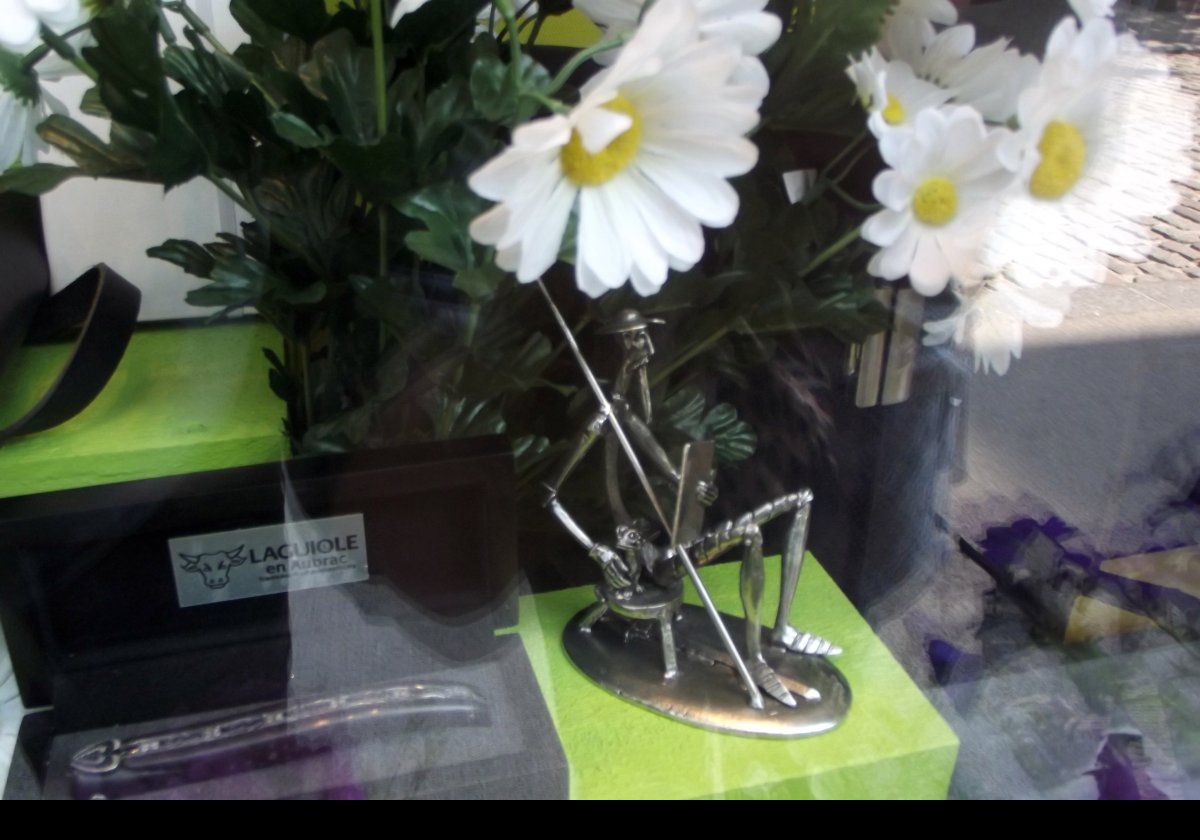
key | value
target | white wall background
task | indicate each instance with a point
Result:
(90, 221)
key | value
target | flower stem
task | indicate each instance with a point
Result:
(43, 50)
(848, 238)
(381, 127)
(862, 206)
(59, 44)
(537, 30)
(514, 43)
(580, 57)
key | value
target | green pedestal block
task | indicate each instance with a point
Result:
(893, 744)
(184, 399)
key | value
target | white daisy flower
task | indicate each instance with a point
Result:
(909, 27)
(1062, 116)
(19, 119)
(990, 78)
(939, 194)
(744, 22)
(1093, 175)
(992, 317)
(897, 96)
(21, 21)
(866, 73)
(1092, 170)
(643, 159)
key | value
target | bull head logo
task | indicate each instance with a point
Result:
(215, 566)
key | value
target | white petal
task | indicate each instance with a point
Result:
(675, 230)
(649, 259)
(600, 249)
(885, 227)
(598, 127)
(59, 15)
(709, 198)
(406, 7)
(543, 240)
(750, 79)
(542, 135)
(18, 28)
(892, 190)
(488, 227)
(754, 33)
(587, 281)
(508, 173)
(894, 261)
(14, 121)
(930, 272)
(725, 156)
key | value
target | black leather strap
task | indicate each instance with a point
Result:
(102, 307)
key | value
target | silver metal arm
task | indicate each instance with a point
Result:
(568, 522)
(584, 442)
(644, 439)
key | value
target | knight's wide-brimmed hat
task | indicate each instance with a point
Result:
(628, 320)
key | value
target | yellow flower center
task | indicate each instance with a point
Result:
(587, 169)
(1064, 153)
(935, 201)
(893, 112)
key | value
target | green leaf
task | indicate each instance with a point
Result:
(36, 179)
(133, 86)
(447, 210)
(500, 96)
(809, 87)
(189, 256)
(379, 299)
(307, 19)
(91, 154)
(734, 439)
(18, 79)
(684, 411)
(342, 73)
(297, 132)
(92, 105)
(479, 282)
(435, 23)
(381, 172)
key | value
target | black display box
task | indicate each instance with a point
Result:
(97, 600)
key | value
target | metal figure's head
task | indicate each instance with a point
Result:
(633, 329)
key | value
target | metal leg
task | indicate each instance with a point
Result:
(752, 580)
(784, 634)
(793, 563)
(598, 612)
(670, 663)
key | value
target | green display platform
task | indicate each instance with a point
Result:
(184, 399)
(893, 744)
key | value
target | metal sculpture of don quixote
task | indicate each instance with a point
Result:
(639, 640)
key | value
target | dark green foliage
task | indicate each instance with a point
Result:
(397, 326)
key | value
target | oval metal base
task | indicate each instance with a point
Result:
(626, 658)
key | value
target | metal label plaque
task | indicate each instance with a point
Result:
(251, 562)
